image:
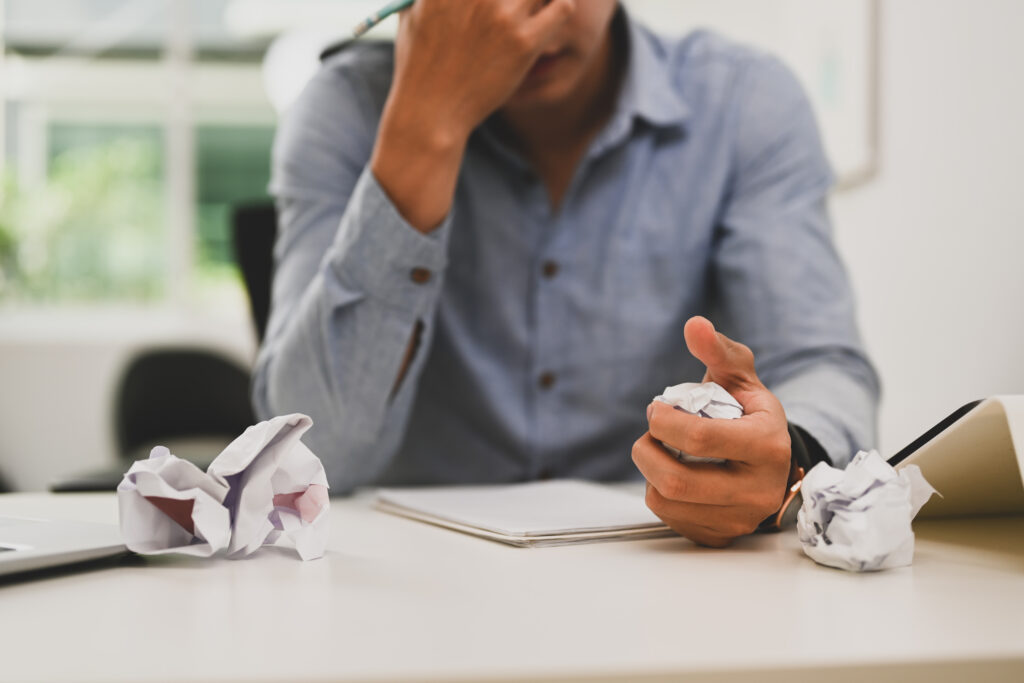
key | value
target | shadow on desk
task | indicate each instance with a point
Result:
(127, 560)
(76, 569)
(985, 541)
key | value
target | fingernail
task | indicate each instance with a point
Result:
(650, 411)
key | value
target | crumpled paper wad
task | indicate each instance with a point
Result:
(265, 488)
(706, 400)
(858, 519)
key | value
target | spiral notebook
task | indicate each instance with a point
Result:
(545, 513)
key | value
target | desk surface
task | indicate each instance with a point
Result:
(398, 600)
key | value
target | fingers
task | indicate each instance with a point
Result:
(710, 525)
(709, 483)
(734, 483)
(533, 22)
(757, 438)
(701, 436)
(729, 363)
(548, 20)
(698, 535)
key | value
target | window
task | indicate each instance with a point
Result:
(128, 131)
(232, 169)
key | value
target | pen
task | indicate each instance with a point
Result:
(380, 15)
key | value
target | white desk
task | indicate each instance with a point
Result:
(397, 600)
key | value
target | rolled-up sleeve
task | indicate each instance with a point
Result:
(780, 280)
(353, 282)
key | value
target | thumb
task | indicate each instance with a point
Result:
(729, 363)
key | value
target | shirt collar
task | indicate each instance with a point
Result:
(649, 91)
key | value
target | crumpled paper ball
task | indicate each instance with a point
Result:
(265, 488)
(169, 505)
(706, 400)
(858, 519)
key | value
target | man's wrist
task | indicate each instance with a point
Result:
(805, 453)
(432, 123)
(806, 450)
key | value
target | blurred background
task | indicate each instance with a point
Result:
(132, 130)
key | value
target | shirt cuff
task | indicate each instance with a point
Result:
(379, 253)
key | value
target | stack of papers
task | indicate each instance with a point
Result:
(545, 513)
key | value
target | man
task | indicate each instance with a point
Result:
(492, 235)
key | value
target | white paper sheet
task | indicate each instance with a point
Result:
(706, 400)
(859, 519)
(169, 505)
(265, 488)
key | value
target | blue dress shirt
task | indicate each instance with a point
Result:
(546, 333)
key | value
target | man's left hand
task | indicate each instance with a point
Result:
(712, 504)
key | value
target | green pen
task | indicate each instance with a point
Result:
(380, 15)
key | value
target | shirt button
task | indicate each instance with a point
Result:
(546, 380)
(549, 269)
(420, 276)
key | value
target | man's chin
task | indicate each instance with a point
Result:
(545, 93)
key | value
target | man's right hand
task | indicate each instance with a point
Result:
(456, 62)
(460, 60)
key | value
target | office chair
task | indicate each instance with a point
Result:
(192, 400)
(253, 231)
(168, 394)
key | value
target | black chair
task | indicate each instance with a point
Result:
(253, 231)
(192, 400)
(170, 394)
(175, 396)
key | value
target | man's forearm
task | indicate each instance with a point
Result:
(337, 349)
(416, 160)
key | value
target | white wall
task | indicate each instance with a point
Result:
(935, 243)
(58, 376)
(932, 244)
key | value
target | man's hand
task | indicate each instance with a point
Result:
(456, 63)
(460, 60)
(713, 504)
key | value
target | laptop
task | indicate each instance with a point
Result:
(29, 543)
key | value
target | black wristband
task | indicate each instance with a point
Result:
(805, 449)
(805, 453)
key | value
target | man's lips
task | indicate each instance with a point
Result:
(546, 62)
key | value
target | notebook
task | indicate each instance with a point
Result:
(974, 458)
(544, 513)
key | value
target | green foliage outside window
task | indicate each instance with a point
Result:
(95, 229)
(92, 230)
(232, 168)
